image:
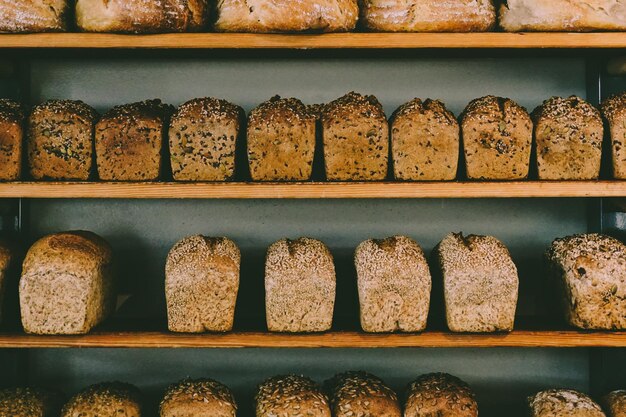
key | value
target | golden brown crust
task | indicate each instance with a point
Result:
(563, 403)
(291, 396)
(199, 397)
(441, 395)
(614, 111)
(105, 399)
(361, 394)
(11, 139)
(34, 16)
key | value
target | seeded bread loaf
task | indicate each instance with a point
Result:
(145, 16)
(28, 402)
(440, 395)
(11, 140)
(424, 142)
(291, 396)
(198, 398)
(286, 15)
(394, 285)
(614, 112)
(201, 284)
(497, 139)
(281, 140)
(480, 283)
(300, 286)
(568, 136)
(106, 399)
(590, 273)
(33, 16)
(362, 394)
(6, 259)
(614, 403)
(60, 140)
(67, 284)
(356, 139)
(428, 15)
(129, 141)
(563, 403)
(562, 15)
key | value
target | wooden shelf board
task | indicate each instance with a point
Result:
(311, 190)
(317, 41)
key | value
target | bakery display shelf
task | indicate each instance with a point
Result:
(318, 41)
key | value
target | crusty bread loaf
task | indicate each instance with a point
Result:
(281, 140)
(129, 141)
(440, 395)
(614, 403)
(362, 394)
(428, 15)
(291, 396)
(203, 135)
(568, 136)
(33, 15)
(198, 398)
(563, 403)
(67, 284)
(300, 286)
(497, 139)
(424, 142)
(29, 402)
(614, 112)
(562, 15)
(144, 16)
(286, 15)
(201, 284)
(590, 273)
(6, 260)
(394, 285)
(60, 140)
(11, 140)
(356, 138)
(480, 283)
(106, 399)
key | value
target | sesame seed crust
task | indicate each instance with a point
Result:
(198, 397)
(563, 403)
(11, 111)
(12, 132)
(148, 109)
(28, 402)
(66, 107)
(615, 403)
(361, 394)
(441, 395)
(614, 106)
(614, 111)
(109, 398)
(291, 396)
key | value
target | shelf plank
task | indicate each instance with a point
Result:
(311, 190)
(317, 41)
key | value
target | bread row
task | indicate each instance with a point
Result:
(67, 285)
(153, 16)
(349, 394)
(66, 139)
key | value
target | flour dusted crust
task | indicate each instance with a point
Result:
(142, 16)
(11, 139)
(106, 399)
(361, 394)
(198, 398)
(563, 403)
(590, 272)
(442, 395)
(28, 402)
(428, 15)
(286, 15)
(23, 16)
(291, 396)
(562, 15)
(615, 403)
(614, 112)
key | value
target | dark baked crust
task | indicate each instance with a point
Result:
(361, 394)
(440, 394)
(105, 399)
(29, 402)
(11, 139)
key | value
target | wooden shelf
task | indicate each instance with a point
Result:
(311, 190)
(320, 41)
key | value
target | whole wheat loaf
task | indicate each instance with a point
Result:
(291, 396)
(11, 139)
(563, 403)
(198, 398)
(106, 399)
(362, 394)
(614, 112)
(614, 403)
(440, 395)
(29, 402)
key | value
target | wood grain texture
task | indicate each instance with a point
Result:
(320, 41)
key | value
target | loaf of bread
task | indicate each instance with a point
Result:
(33, 16)
(428, 15)
(11, 139)
(29, 402)
(562, 15)
(614, 403)
(60, 140)
(362, 394)
(563, 403)
(300, 285)
(291, 396)
(440, 395)
(201, 284)
(424, 142)
(6, 260)
(394, 285)
(281, 140)
(286, 15)
(106, 399)
(614, 112)
(480, 283)
(203, 136)
(66, 285)
(590, 273)
(497, 139)
(356, 139)
(145, 16)
(198, 398)
(568, 136)
(129, 141)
